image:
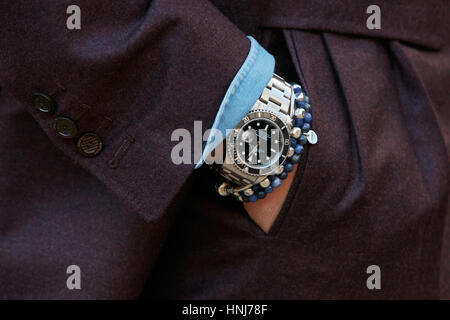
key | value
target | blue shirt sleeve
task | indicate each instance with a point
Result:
(244, 90)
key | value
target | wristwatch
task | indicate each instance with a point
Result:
(267, 142)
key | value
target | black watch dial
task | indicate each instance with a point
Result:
(261, 143)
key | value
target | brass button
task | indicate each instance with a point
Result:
(65, 127)
(43, 103)
(89, 144)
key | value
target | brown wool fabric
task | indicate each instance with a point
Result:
(373, 191)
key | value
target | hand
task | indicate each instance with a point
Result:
(264, 211)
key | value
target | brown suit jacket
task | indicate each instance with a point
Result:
(373, 191)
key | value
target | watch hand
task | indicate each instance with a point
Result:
(264, 136)
(250, 154)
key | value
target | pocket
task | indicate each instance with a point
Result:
(331, 166)
(327, 168)
(363, 179)
(329, 171)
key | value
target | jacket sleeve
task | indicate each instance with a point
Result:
(132, 74)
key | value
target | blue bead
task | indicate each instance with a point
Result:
(295, 158)
(297, 90)
(302, 140)
(306, 127)
(252, 198)
(298, 122)
(261, 194)
(255, 187)
(276, 182)
(269, 189)
(283, 175)
(293, 142)
(271, 177)
(298, 149)
(300, 104)
(307, 107)
(306, 99)
(308, 117)
(288, 167)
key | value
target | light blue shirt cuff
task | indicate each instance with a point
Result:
(244, 90)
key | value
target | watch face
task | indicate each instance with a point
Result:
(260, 143)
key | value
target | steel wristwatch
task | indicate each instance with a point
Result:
(267, 142)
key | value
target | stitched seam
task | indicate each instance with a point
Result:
(59, 89)
(82, 110)
(120, 153)
(105, 125)
(296, 184)
(297, 56)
